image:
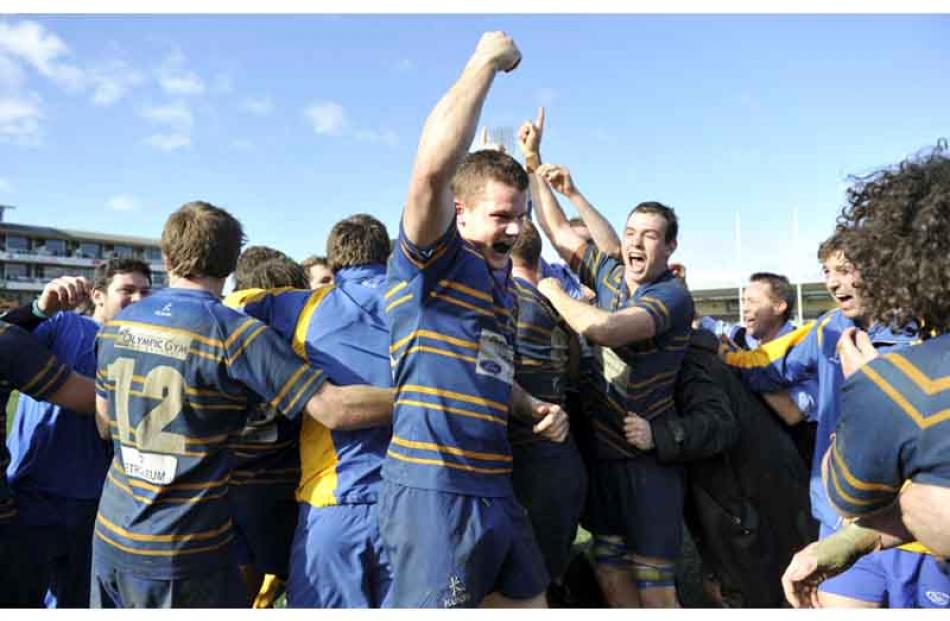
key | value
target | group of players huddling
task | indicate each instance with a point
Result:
(399, 435)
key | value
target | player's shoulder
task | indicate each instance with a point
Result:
(928, 363)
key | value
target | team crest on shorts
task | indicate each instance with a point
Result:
(939, 598)
(458, 594)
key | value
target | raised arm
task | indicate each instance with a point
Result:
(602, 233)
(447, 133)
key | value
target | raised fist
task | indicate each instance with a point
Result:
(64, 293)
(498, 49)
(559, 177)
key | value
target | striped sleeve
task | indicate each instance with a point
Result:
(593, 267)
(408, 259)
(668, 304)
(29, 366)
(863, 469)
(266, 363)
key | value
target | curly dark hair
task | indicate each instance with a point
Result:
(898, 224)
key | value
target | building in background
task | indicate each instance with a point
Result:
(31, 256)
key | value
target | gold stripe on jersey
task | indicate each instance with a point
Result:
(247, 342)
(398, 302)
(905, 406)
(930, 386)
(475, 293)
(448, 464)
(458, 396)
(306, 315)
(170, 500)
(52, 380)
(238, 331)
(451, 410)
(147, 552)
(439, 352)
(856, 483)
(449, 450)
(435, 336)
(36, 378)
(395, 289)
(288, 385)
(302, 390)
(461, 303)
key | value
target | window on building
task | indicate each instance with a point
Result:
(153, 255)
(16, 243)
(122, 252)
(88, 250)
(55, 247)
(17, 271)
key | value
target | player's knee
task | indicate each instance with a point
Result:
(655, 580)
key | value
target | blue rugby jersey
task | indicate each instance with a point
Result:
(26, 366)
(53, 450)
(541, 355)
(894, 427)
(637, 377)
(452, 348)
(179, 370)
(810, 351)
(343, 329)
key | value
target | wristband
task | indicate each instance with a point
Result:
(35, 309)
(532, 161)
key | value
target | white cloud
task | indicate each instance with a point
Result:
(328, 118)
(175, 120)
(20, 120)
(112, 80)
(259, 106)
(124, 202)
(168, 142)
(44, 51)
(177, 79)
(387, 137)
(12, 76)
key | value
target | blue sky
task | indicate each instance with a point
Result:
(109, 123)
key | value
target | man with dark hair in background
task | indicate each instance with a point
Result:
(336, 558)
(550, 479)
(58, 462)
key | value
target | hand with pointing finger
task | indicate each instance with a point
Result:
(529, 141)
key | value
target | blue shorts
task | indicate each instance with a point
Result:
(264, 520)
(337, 559)
(895, 579)
(450, 551)
(550, 482)
(639, 500)
(114, 588)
